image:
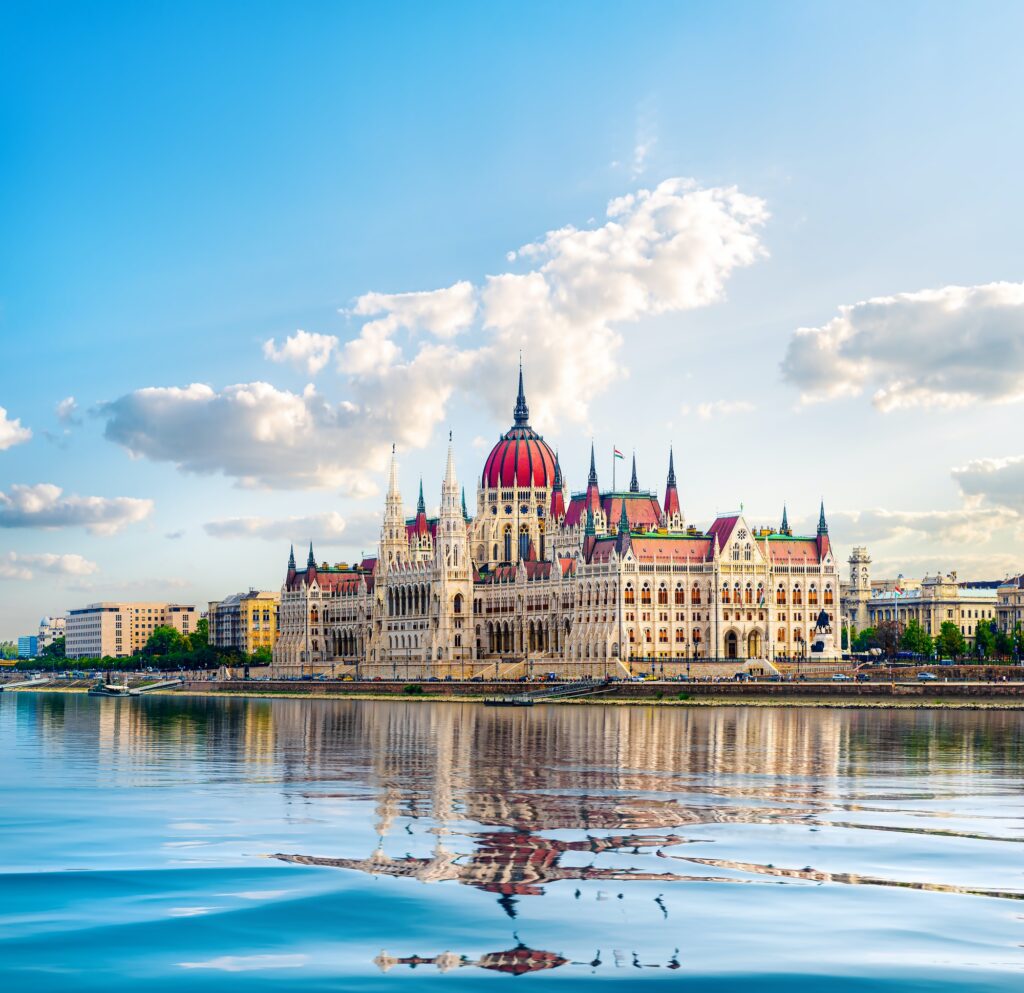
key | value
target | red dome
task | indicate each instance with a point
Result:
(522, 458)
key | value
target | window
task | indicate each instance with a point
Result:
(797, 596)
(629, 597)
(695, 594)
(645, 594)
(662, 636)
(748, 594)
(680, 636)
(696, 636)
(812, 597)
(781, 636)
(680, 596)
(828, 596)
(725, 594)
(662, 595)
(780, 595)
(746, 552)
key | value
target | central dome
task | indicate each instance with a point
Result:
(522, 457)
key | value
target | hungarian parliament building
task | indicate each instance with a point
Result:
(538, 579)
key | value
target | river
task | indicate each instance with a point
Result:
(202, 843)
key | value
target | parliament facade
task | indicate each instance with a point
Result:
(538, 579)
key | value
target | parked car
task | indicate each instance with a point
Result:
(926, 677)
(863, 677)
(945, 662)
(841, 677)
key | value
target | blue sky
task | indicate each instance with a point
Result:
(180, 183)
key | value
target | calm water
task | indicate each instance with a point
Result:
(202, 844)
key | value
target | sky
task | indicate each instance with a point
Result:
(247, 247)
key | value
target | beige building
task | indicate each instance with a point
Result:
(1010, 604)
(245, 621)
(50, 629)
(938, 599)
(119, 629)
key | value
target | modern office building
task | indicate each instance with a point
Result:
(28, 646)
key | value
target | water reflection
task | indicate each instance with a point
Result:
(644, 829)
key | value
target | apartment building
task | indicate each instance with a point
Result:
(119, 629)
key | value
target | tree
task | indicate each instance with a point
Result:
(863, 640)
(54, 650)
(887, 637)
(264, 655)
(915, 639)
(201, 636)
(164, 640)
(8, 650)
(985, 639)
(950, 642)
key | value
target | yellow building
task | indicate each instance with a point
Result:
(245, 621)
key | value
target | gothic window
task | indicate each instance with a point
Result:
(662, 636)
(457, 603)
(680, 598)
(629, 596)
(798, 597)
(828, 596)
(780, 595)
(736, 553)
(662, 595)
(645, 594)
(524, 542)
(812, 596)
(725, 593)
(680, 636)
(746, 552)
(695, 594)
(748, 594)
(696, 636)
(508, 544)
(781, 635)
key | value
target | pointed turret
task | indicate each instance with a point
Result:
(822, 525)
(623, 520)
(784, 527)
(588, 529)
(634, 486)
(673, 512)
(421, 507)
(522, 412)
(557, 510)
(394, 540)
(291, 559)
(465, 513)
(310, 559)
(622, 538)
(593, 497)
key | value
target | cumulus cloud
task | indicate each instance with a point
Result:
(11, 431)
(67, 411)
(17, 565)
(952, 346)
(717, 408)
(962, 526)
(306, 350)
(665, 250)
(998, 482)
(44, 505)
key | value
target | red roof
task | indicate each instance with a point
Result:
(642, 509)
(421, 525)
(521, 458)
(672, 501)
(723, 528)
(786, 549)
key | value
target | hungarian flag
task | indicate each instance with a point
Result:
(618, 454)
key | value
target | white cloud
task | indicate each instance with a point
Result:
(717, 408)
(999, 482)
(952, 346)
(661, 251)
(67, 411)
(306, 350)
(11, 431)
(43, 505)
(315, 527)
(963, 526)
(17, 565)
(443, 312)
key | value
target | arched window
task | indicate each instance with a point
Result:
(798, 597)
(662, 596)
(812, 595)
(632, 636)
(746, 552)
(508, 544)
(780, 595)
(524, 542)
(695, 594)
(748, 594)
(662, 636)
(696, 636)
(629, 596)
(457, 603)
(680, 595)
(645, 595)
(725, 593)
(781, 635)
(828, 596)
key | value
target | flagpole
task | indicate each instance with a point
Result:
(613, 468)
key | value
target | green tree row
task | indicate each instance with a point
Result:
(166, 648)
(990, 643)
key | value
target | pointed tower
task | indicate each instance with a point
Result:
(291, 559)
(310, 565)
(453, 571)
(557, 510)
(622, 537)
(634, 486)
(394, 540)
(824, 545)
(421, 507)
(592, 500)
(465, 513)
(822, 525)
(673, 512)
(784, 526)
(521, 414)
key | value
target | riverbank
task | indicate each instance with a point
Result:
(878, 695)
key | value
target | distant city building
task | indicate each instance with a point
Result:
(593, 578)
(1010, 604)
(28, 646)
(244, 621)
(119, 629)
(935, 601)
(50, 629)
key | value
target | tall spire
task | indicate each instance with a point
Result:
(784, 529)
(589, 527)
(558, 473)
(592, 478)
(291, 558)
(822, 526)
(421, 506)
(449, 471)
(522, 412)
(465, 513)
(393, 474)
(634, 486)
(310, 560)
(671, 468)
(557, 510)
(672, 510)
(623, 520)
